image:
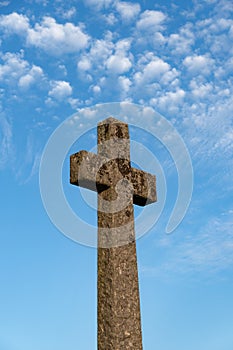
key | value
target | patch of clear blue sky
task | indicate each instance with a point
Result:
(48, 282)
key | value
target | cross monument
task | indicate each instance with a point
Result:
(119, 186)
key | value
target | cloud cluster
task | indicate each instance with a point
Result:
(106, 64)
(15, 70)
(183, 71)
(33, 75)
(14, 23)
(119, 62)
(182, 42)
(48, 35)
(57, 38)
(199, 64)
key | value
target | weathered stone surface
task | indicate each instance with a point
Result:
(113, 139)
(144, 185)
(96, 172)
(118, 186)
(119, 324)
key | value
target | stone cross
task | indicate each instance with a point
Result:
(119, 186)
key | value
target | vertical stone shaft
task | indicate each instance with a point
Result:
(119, 323)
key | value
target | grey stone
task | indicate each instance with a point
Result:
(119, 186)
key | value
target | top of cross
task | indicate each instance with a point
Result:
(102, 171)
(111, 120)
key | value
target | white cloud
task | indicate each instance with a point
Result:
(152, 71)
(124, 84)
(120, 61)
(169, 77)
(110, 19)
(84, 64)
(75, 103)
(149, 29)
(200, 90)
(202, 64)
(107, 57)
(151, 21)
(57, 38)
(128, 10)
(153, 79)
(224, 7)
(14, 23)
(123, 45)
(13, 67)
(207, 121)
(62, 69)
(226, 141)
(220, 44)
(48, 35)
(30, 78)
(171, 100)
(216, 33)
(181, 43)
(100, 51)
(16, 70)
(96, 89)
(68, 14)
(118, 64)
(215, 25)
(60, 90)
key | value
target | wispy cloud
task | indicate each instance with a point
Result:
(4, 3)
(27, 164)
(98, 4)
(208, 251)
(6, 143)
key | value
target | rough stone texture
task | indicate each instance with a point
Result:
(97, 172)
(118, 186)
(119, 324)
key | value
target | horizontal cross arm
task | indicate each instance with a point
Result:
(97, 173)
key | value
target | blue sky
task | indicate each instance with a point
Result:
(57, 58)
